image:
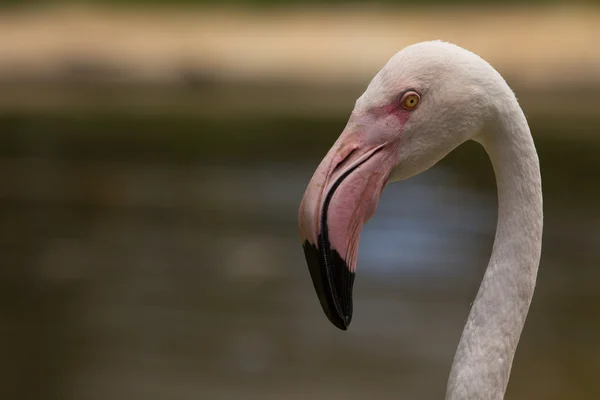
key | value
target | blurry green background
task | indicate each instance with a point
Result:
(152, 160)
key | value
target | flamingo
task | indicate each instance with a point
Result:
(428, 99)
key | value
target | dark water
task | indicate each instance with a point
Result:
(139, 262)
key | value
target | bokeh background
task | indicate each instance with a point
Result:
(153, 155)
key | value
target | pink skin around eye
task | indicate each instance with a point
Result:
(396, 108)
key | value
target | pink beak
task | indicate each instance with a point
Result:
(340, 198)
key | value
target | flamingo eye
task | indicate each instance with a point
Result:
(410, 100)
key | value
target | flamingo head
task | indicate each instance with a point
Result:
(428, 99)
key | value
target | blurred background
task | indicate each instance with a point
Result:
(153, 155)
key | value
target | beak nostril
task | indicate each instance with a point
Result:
(345, 161)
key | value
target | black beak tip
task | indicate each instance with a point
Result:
(341, 322)
(333, 283)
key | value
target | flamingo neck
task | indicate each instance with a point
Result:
(484, 357)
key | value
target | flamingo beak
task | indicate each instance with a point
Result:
(340, 198)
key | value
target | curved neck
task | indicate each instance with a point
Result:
(484, 357)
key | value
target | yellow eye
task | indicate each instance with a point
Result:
(410, 100)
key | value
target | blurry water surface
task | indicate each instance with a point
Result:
(146, 259)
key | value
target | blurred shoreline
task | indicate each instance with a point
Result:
(295, 61)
